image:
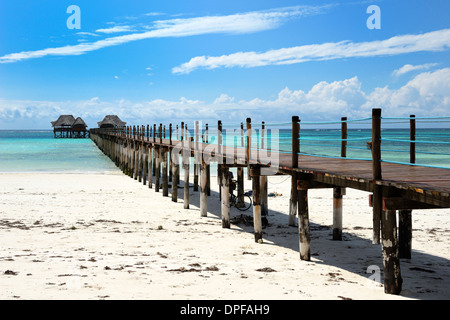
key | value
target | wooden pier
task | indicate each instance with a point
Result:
(143, 152)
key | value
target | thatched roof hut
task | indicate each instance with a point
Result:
(68, 127)
(111, 121)
(63, 121)
(78, 125)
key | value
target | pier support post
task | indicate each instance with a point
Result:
(175, 175)
(391, 262)
(157, 168)
(337, 213)
(377, 174)
(203, 196)
(404, 233)
(140, 161)
(196, 168)
(255, 172)
(303, 224)
(150, 166)
(264, 197)
(377, 209)
(225, 207)
(240, 187)
(144, 164)
(136, 160)
(165, 181)
(293, 201)
(186, 156)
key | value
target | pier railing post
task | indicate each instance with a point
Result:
(255, 172)
(219, 157)
(264, 183)
(376, 174)
(295, 150)
(412, 137)
(197, 156)
(186, 157)
(338, 191)
(225, 201)
(247, 150)
(376, 144)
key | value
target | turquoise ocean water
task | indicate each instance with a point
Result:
(38, 151)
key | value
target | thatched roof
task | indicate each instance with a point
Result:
(111, 121)
(79, 122)
(64, 120)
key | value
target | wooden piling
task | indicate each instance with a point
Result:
(293, 201)
(391, 263)
(219, 157)
(225, 202)
(377, 174)
(197, 157)
(337, 213)
(247, 149)
(303, 224)
(203, 196)
(412, 137)
(175, 176)
(144, 164)
(186, 157)
(255, 172)
(404, 233)
(264, 180)
(157, 168)
(165, 182)
(150, 166)
(337, 191)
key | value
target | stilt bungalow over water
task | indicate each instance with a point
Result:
(68, 127)
(111, 121)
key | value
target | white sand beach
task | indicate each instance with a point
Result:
(106, 236)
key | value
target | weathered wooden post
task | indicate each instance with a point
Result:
(412, 137)
(186, 157)
(303, 223)
(157, 167)
(225, 208)
(150, 165)
(404, 233)
(247, 150)
(175, 158)
(391, 263)
(255, 172)
(338, 191)
(165, 181)
(208, 167)
(171, 162)
(203, 196)
(405, 215)
(293, 201)
(197, 157)
(240, 175)
(144, 164)
(377, 175)
(264, 183)
(219, 157)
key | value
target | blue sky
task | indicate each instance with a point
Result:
(170, 61)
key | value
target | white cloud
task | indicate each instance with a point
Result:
(431, 41)
(409, 68)
(229, 24)
(83, 33)
(115, 29)
(427, 94)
